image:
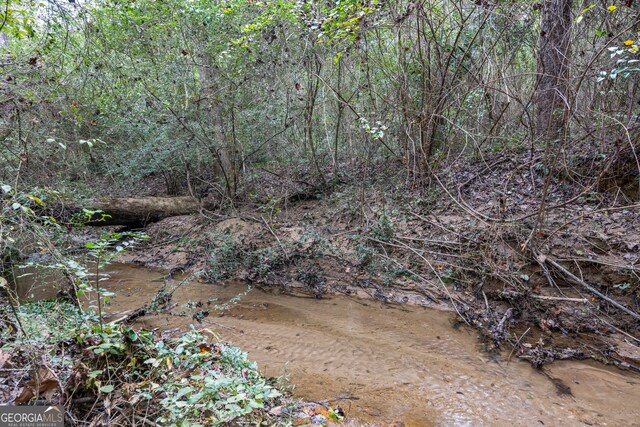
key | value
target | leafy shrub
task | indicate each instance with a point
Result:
(223, 256)
(44, 321)
(221, 383)
(189, 380)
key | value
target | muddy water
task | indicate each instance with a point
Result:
(386, 364)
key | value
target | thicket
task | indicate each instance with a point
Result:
(204, 94)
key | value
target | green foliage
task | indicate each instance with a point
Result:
(103, 251)
(44, 322)
(224, 256)
(110, 245)
(340, 21)
(309, 245)
(383, 229)
(189, 380)
(221, 384)
(117, 92)
(16, 18)
(626, 62)
(26, 227)
(364, 254)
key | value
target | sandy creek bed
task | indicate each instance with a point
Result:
(391, 363)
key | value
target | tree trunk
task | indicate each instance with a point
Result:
(214, 117)
(554, 58)
(140, 212)
(313, 71)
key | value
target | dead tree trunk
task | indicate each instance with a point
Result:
(140, 212)
(554, 55)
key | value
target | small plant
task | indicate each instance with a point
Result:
(364, 254)
(383, 229)
(622, 286)
(376, 132)
(86, 216)
(272, 207)
(104, 251)
(190, 380)
(223, 256)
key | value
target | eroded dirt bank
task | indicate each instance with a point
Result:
(477, 249)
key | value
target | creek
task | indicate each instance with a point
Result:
(381, 363)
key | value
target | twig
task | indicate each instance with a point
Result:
(422, 250)
(344, 232)
(578, 281)
(547, 274)
(145, 421)
(346, 398)
(517, 344)
(424, 279)
(437, 275)
(482, 171)
(549, 298)
(286, 255)
(587, 214)
(76, 401)
(433, 242)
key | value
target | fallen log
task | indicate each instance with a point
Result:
(138, 212)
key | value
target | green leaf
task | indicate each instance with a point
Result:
(106, 389)
(132, 334)
(36, 199)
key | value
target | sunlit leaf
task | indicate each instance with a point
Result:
(36, 200)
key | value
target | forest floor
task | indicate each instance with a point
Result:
(561, 285)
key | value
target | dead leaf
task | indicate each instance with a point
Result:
(276, 411)
(627, 350)
(631, 257)
(44, 384)
(204, 347)
(5, 356)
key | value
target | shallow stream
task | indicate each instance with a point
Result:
(384, 363)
